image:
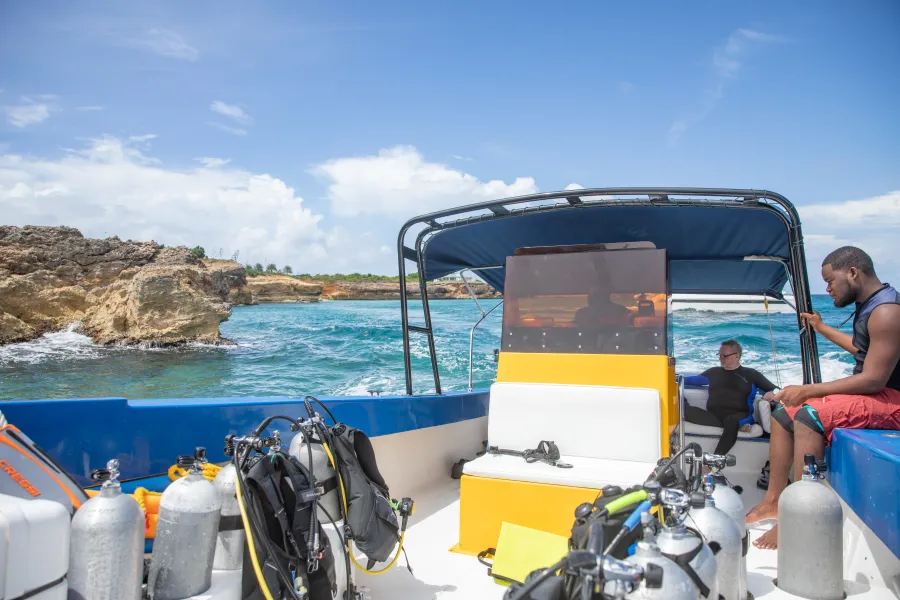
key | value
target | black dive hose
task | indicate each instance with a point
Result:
(262, 426)
(344, 546)
(692, 445)
(319, 402)
(547, 574)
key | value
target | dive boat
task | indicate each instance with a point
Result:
(586, 362)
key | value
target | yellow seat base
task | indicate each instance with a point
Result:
(485, 503)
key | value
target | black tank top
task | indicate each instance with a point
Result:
(886, 295)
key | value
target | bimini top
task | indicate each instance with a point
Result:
(718, 241)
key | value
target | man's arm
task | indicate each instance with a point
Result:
(760, 381)
(835, 336)
(881, 359)
(701, 379)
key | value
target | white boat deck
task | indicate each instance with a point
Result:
(441, 574)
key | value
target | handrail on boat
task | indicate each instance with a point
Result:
(472, 338)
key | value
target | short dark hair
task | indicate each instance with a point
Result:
(850, 256)
(734, 345)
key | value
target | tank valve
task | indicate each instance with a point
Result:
(813, 468)
(195, 462)
(107, 476)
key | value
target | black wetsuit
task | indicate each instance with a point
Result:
(730, 404)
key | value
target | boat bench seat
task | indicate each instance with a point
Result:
(699, 396)
(605, 432)
(610, 436)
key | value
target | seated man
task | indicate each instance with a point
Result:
(732, 393)
(869, 398)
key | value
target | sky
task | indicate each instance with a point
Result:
(306, 133)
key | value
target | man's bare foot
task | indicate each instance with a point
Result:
(762, 511)
(768, 540)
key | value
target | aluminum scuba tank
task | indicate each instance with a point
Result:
(230, 540)
(185, 545)
(810, 537)
(729, 502)
(681, 545)
(323, 473)
(106, 552)
(715, 526)
(676, 585)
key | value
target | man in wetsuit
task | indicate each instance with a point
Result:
(867, 399)
(732, 392)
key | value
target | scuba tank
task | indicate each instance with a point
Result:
(676, 585)
(185, 545)
(728, 500)
(715, 526)
(230, 540)
(810, 537)
(685, 546)
(106, 552)
(323, 474)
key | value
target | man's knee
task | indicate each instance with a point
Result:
(809, 417)
(781, 417)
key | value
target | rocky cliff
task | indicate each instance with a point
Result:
(362, 290)
(51, 277)
(120, 291)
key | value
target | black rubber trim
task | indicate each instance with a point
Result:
(39, 590)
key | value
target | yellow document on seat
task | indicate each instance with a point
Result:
(521, 550)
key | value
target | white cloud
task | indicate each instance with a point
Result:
(727, 60)
(869, 223)
(213, 163)
(32, 111)
(228, 128)
(110, 187)
(230, 110)
(165, 42)
(90, 108)
(143, 138)
(573, 186)
(398, 181)
(458, 157)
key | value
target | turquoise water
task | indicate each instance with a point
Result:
(350, 347)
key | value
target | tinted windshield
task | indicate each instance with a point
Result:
(609, 302)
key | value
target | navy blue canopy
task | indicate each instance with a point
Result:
(707, 245)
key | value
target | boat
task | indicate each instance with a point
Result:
(606, 390)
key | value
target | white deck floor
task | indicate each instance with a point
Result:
(440, 574)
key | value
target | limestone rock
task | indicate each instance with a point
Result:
(120, 291)
(14, 330)
(282, 288)
(164, 304)
(231, 279)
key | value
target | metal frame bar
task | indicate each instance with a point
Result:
(599, 197)
(472, 338)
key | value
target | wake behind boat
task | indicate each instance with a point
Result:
(590, 484)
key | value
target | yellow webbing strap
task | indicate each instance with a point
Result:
(209, 471)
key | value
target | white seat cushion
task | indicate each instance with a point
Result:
(585, 472)
(692, 428)
(590, 421)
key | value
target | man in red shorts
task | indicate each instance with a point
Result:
(867, 399)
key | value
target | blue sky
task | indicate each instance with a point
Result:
(306, 133)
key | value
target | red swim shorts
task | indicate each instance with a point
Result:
(850, 411)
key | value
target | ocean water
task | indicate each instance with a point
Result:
(351, 347)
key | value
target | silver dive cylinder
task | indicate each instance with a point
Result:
(729, 502)
(676, 585)
(810, 537)
(680, 545)
(715, 526)
(230, 539)
(106, 552)
(185, 544)
(322, 472)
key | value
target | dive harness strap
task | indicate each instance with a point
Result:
(547, 452)
(489, 553)
(683, 561)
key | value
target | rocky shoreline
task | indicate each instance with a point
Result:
(133, 292)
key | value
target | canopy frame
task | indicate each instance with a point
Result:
(514, 207)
